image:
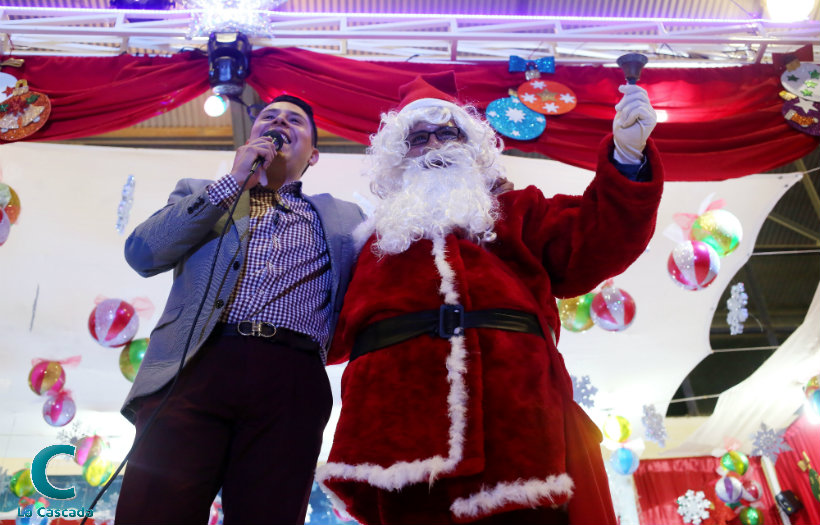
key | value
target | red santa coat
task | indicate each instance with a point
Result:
(436, 430)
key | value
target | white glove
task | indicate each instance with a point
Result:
(634, 121)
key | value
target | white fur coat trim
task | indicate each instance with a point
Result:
(405, 473)
(531, 493)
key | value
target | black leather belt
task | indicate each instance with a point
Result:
(447, 321)
(267, 332)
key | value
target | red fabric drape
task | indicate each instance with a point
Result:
(659, 483)
(802, 436)
(93, 95)
(723, 122)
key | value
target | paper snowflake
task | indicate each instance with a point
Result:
(693, 507)
(769, 442)
(528, 97)
(582, 391)
(653, 425)
(538, 84)
(567, 98)
(126, 201)
(737, 309)
(515, 115)
(551, 107)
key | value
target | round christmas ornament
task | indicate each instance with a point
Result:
(46, 377)
(624, 461)
(803, 115)
(719, 229)
(751, 490)
(803, 81)
(9, 202)
(97, 471)
(574, 313)
(131, 358)
(729, 489)
(734, 461)
(617, 428)
(751, 516)
(547, 97)
(693, 265)
(23, 113)
(5, 227)
(513, 119)
(20, 483)
(89, 448)
(59, 409)
(113, 323)
(612, 309)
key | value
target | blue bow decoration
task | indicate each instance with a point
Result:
(543, 64)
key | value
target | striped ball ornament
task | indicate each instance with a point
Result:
(613, 309)
(693, 265)
(729, 489)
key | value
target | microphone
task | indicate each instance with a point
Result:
(278, 142)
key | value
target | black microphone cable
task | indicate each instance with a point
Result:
(278, 141)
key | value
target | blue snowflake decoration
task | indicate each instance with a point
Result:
(582, 391)
(653, 425)
(513, 119)
(769, 442)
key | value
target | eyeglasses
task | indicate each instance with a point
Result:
(443, 134)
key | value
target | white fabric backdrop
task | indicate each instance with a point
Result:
(65, 245)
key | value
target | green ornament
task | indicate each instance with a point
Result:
(751, 516)
(20, 483)
(735, 461)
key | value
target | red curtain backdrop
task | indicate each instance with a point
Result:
(94, 95)
(659, 483)
(723, 122)
(802, 436)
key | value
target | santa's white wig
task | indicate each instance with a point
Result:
(386, 157)
(444, 189)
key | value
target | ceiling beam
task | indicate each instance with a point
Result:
(431, 38)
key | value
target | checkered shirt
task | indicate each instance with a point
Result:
(286, 279)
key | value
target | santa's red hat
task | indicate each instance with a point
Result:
(436, 89)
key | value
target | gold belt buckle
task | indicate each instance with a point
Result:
(257, 328)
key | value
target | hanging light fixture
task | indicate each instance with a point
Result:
(229, 62)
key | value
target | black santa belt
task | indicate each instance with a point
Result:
(446, 322)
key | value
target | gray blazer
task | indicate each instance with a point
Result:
(183, 236)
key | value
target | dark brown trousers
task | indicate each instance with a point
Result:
(247, 415)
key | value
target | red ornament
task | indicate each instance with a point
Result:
(613, 309)
(547, 97)
(693, 265)
(113, 323)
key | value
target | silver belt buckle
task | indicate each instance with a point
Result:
(256, 328)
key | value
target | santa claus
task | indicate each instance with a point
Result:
(456, 404)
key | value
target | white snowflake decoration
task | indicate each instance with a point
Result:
(769, 442)
(515, 115)
(566, 98)
(538, 84)
(551, 107)
(126, 201)
(693, 507)
(737, 309)
(528, 97)
(516, 133)
(582, 391)
(492, 113)
(653, 425)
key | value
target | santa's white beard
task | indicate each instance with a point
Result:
(440, 193)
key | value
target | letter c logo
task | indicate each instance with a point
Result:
(38, 472)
